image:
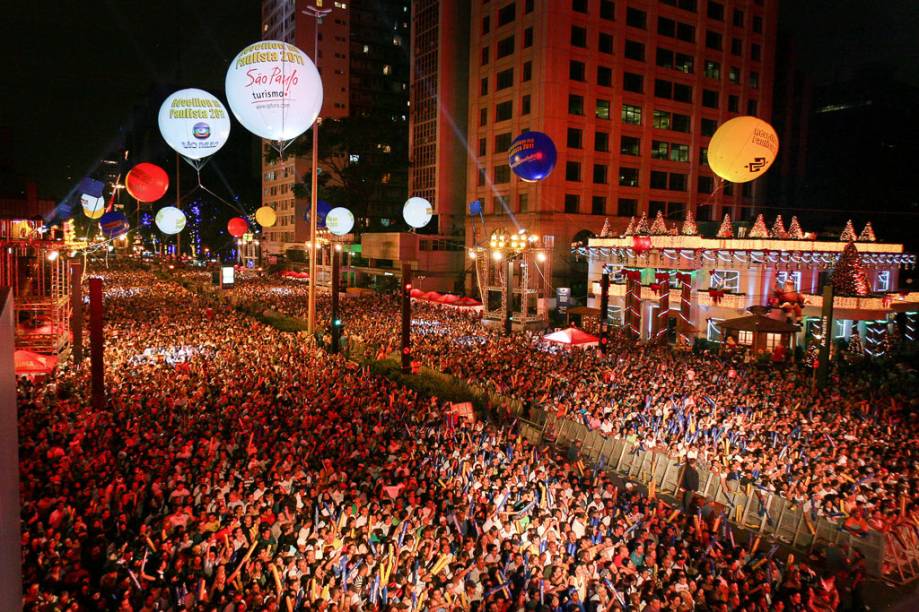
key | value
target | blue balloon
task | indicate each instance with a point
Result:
(322, 209)
(532, 156)
(475, 207)
(113, 224)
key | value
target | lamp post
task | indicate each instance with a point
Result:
(336, 316)
(317, 14)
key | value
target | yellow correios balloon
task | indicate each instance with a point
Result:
(265, 216)
(742, 149)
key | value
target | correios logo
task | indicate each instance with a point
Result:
(201, 131)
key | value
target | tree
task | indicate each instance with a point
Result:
(867, 234)
(689, 224)
(778, 229)
(659, 227)
(630, 230)
(605, 231)
(642, 226)
(849, 278)
(726, 230)
(848, 234)
(759, 228)
(794, 229)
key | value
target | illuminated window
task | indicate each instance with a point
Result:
(727, 280)
(387, 69)
(745, 338)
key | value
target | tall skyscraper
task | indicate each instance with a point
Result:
(363, 61)
(629, 91)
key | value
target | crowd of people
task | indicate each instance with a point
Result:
(236, 467)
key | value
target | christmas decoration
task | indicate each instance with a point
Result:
(604, 233)
(848, 234)
(642, 226)
(794, 230)
(855, 348)
(778, 229)
(689, 225)
(673, 231)
(849, 278)
(631, 228)
(759, 228)
(726, 230)
(789, 300)
(659, 227)
(867, 234)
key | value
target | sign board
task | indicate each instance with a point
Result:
(562, 299)
(227, 276)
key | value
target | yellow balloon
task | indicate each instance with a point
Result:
(266, 216)
(742, 149)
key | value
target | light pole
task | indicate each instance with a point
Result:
(317, 14)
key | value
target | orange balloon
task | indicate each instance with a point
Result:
(742, 149)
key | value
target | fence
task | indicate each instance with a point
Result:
(894, 555)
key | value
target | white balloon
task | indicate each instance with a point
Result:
(194, 123)
(417, 212)
(340, 221)
(170, 220)
(274, 90)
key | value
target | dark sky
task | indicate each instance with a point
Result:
(74, 71)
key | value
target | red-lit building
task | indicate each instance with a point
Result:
(629, 91)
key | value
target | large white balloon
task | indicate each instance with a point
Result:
(274, 90)
(340, 221)
(170, 220)
(417, 212)
(194, 123)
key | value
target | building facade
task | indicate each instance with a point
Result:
(630, 92)
(363, 60)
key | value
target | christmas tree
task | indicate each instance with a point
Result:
(605, 231)
(759, 228)
(794, 229)
(659, 227)
(630, 230)
(778, 229)
(689, 225)
(726, 230)
(848, 234)
(867, 234)
(855, 348)
(849, 276)
(642, 226)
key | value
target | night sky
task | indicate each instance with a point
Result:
(76, 71)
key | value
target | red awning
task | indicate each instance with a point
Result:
(467, 301)
(431, 296)
(27, 362)
(448, 298)
(572, 336)
(416, 293)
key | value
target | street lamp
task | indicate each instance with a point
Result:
(317, 14)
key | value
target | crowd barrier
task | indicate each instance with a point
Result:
(893, 555)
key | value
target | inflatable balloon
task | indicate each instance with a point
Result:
(417, 212)
(742, 149)
(532, 156)
(113, 224)
(322, 209)
(266, 217)
(237, 226)
(475, 207)
(194, 123)
(147, 182)
(170, 220)
(274, 90)
(340, 221)
(93, 207)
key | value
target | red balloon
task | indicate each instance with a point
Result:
(237, 226)
(147, 182)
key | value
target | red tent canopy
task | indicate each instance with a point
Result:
(467, 301)
(416, 293)
(27, 362)
(573, 337)
(448, 298)
(431, 296)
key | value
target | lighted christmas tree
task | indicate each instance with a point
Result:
(778, 229)
(726, 230)
(630, 230)
(855, 348)
(642, 226)
(849, 276)
(867, 234)
(605, 231)
(794, 229)
(659, 227)
(848, 234)
(689, 225)
(759, 228)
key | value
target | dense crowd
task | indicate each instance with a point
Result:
(236, 467)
